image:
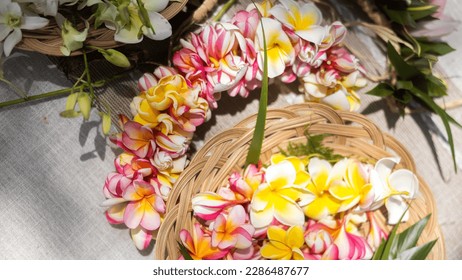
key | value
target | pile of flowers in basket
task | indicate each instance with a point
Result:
(299, 207)
(220, 56)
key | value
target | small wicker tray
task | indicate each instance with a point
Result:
(351, 135)
(48, 40)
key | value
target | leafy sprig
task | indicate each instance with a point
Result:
(313, 147)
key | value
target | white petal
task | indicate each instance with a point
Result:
(379, 187)
(261, 219)
(239, 75)
(284, 169)
(11, 41)
(155, 5)
(338, 101)
(141, 237)
(14, 9)
(162, 27)
(314, 35)
(30, 23)
(404, 180)
(396, 207)
(113, 201)
(385, 165)
(4, 31)
(317, 166)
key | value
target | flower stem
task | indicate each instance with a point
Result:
(223, 10)
(87, 70)
(55, 93)
(38, 96)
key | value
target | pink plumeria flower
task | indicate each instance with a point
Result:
(247, 22)
(145, 205)
(208, 205)
(141, 237)
(376, 233)
(247, 184)
(174, 144)
(304, 20)
(393, 188)
(199, 244)
(318, 240)
(278, 46)
(135, 138)
(351, 246)
(232, 230)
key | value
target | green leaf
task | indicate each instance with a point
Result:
(253, 155)
(408, 238)
(70, 114)
(435, 86)
(436, 48)
(184, 252)
(444, 117)
(422, 11)
(379, 252)
(404, 70)
(417, 253)
(381, 90)
(404, 85)
(402, 17)
(313, 147)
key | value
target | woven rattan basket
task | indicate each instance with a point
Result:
(48, 40)
(352, 135)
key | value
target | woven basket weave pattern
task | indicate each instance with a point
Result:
(351, 135)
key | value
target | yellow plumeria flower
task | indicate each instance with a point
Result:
(284, 245)
(355, 189)
(278, 198)
(322, 176)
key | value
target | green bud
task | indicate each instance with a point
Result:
(71, 101)
(106, 123)
(70, 114)
(115, 57)
(84, 104)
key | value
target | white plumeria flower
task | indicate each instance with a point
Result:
(12, 21)
(393, 188)
(305, 20)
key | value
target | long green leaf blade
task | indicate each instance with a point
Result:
(403, 69)
(253, 155)
(409, 237)
(417, 253)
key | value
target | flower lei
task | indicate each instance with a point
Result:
(221, 56)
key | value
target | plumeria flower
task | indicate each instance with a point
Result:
(278, 47)
(12, 21)
(144, 206)
(323, 175)
(279, 197)
(355, 189)
(199, 245)
(318, 240)
(351, 246)
(247, 184)
(283, 245)
(376, 233)
(136, 139)
(232, 230)
(208, 205)
(393, 188)
(304, 20)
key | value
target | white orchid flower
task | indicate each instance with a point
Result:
(393, 188)
(12, 21)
